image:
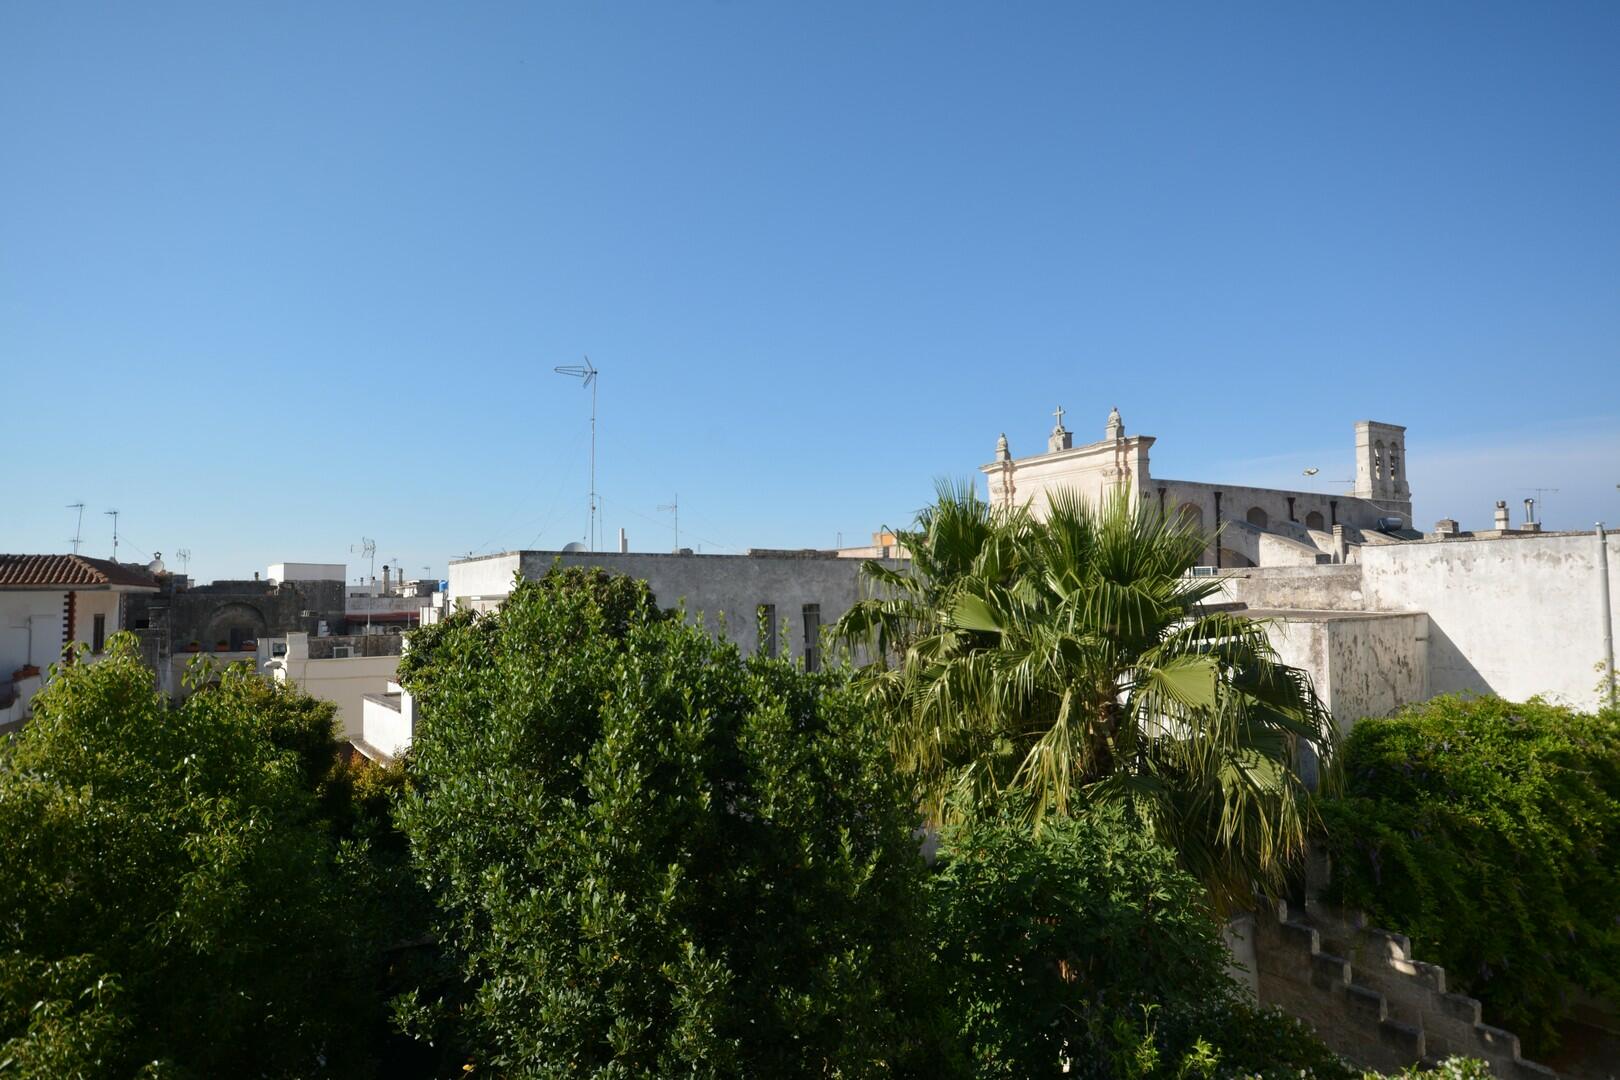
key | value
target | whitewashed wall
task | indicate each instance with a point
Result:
(1516, 617)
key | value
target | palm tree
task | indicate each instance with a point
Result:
(1070, 662)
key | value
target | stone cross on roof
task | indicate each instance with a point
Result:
(1058, 412)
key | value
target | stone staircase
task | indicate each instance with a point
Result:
(1369, 998)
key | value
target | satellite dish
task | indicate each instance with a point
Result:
(573, 547)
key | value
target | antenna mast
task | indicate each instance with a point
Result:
(588, 373)
(114, 515)
(185, 560)
(367, 548)
(674, 508)
(1541, 498)
(78, 528)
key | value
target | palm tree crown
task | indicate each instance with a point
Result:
(1071, 661)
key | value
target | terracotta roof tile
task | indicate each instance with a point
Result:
(45, 571)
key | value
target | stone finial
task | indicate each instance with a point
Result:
(1116, 426)
(1002, 452)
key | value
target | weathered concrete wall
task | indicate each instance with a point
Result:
(1377, 663)
(1334, 587)
(1514, 617)
(1361, 663)
(719, 587)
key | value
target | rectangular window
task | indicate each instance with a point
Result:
(98, 635)
(767, 629)
(812, 637)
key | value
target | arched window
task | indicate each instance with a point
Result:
(1192, 514)
(1313, 520)
(1378, 460)
(1257, 517)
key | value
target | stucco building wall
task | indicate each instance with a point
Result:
(726, 590)
(1512, 616)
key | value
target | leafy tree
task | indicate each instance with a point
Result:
(1071, 660)
(651, 857)
(1085, 951)
(174, 899)
(1489, 832)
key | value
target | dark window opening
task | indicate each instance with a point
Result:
(812, 637)
(98, 634)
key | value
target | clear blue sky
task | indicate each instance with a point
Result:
(274, 277)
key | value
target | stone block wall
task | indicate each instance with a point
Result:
(1369, 998)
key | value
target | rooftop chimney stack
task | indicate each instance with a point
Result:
(1503, 521)
(385, 579)
(624, 543)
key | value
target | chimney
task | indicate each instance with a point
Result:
(1502, 521)
(1529, 511)
(1445, 527)
(624, 543)
(385, 579)
(1341, 545)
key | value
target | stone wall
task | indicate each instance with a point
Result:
(324, 648)
(1369, 998)
(232, 611)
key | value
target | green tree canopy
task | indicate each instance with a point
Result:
(174, 898)
(1489, 832)
(1085, 951)
(1071, 661)
(652, 857)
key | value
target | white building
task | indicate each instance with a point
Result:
(1256, 526)
(1514, 613)
(792, 594)
(340, 670)
(50, 602)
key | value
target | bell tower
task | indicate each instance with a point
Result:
(1381, 467)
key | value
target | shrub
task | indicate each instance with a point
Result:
(172, 893)
(652, 857)
(1489, 832)
(1085, 951)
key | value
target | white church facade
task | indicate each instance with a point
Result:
(1254, 526)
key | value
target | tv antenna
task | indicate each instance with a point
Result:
(1541, 498)
(587, 373)
(367, 547)
(674, 508)
(78, 528)
(184, 555)
(114, 515)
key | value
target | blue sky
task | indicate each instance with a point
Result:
(275, 277)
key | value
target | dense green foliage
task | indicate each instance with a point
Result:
(1489, 832)
(1070, 661)
(652, 857)
(1088, 947)
(174, 896)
